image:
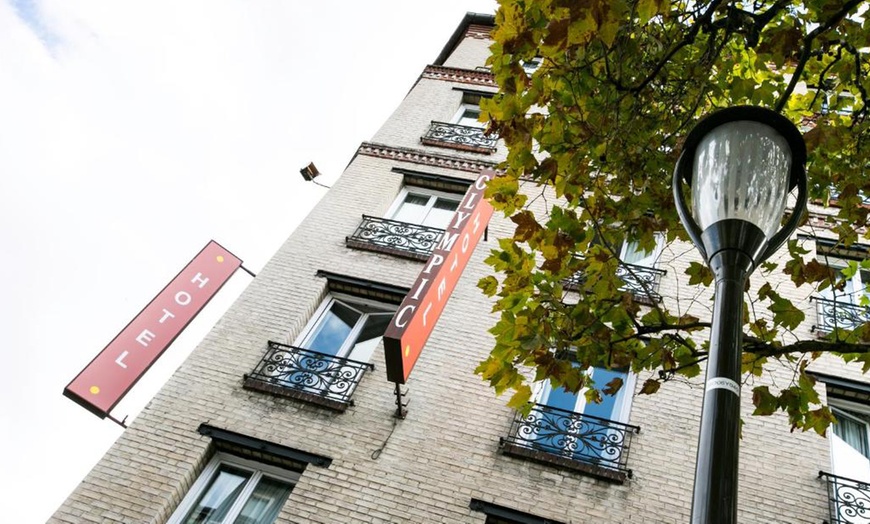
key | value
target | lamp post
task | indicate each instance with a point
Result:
(741, 163)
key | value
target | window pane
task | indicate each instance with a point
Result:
(333, 329)
(370, 335)
(441, 213)
(863, 280)
(216, 500)
(853, 432)
(607, 409)
(446, 203)
(265, 502)
(413, 209)
(632, 253)
(470, 118)
(562, 399)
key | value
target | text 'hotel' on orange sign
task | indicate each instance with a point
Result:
(111, 374)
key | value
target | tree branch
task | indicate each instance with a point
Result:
(808, 49)
(765, 349)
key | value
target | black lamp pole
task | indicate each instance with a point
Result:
(743, 162)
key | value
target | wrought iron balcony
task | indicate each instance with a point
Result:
(576, 441)
(848, 499)
(467, 138)
(398, 238)
(839, 315)
(294, 372)
(642, 281)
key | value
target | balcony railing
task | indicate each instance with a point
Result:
(294, 372)
(643, 282)
(586, 443)
(848, 500)
(468, 138)
(398, 238)
(839, 315)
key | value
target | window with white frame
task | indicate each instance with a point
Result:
(468, 114)
(565, 424)
(612, 407)
(632, 253)
(850, 439)
(855, 281)
(232, 490)
(531, 65)
(425, 207)
(347, 327)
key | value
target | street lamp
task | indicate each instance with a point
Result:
(741, 163)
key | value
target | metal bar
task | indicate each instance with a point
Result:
(714, 500)
(573, 436)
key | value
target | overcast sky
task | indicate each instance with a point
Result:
(133, 133)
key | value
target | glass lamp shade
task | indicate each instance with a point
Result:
(741, 170)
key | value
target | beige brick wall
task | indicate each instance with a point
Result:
(430, 100)
(469, 53)
(446, 451)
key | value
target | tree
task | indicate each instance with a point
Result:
(600, 123)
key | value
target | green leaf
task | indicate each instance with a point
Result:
(587, 149)
(520, 398)
(613, 386)
(650, 386)
(527, 226)
(699, 274)
(489, 285)
(764, 401)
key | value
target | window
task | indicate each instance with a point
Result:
(464, 131)
(347, 327)
(631, 253)
(498, 514)
(232, 490)
(850, 439)
(330, 356)
(845, 304)
(468, 115)
(562, 428)
(424, 207)
(854, 289)
(637, 269)
(842, 103)
(532, 65)
(612, 407)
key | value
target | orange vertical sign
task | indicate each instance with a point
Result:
(416, 317)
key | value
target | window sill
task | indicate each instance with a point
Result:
(544, 457)
(281, 391)
(363, 245)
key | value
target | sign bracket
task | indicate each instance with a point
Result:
(401, 411)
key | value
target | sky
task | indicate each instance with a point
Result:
(131, 134)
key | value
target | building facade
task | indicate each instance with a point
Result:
(283, 413)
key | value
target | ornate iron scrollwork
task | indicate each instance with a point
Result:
(848, 499)
(311, 372)
(643, 282)
(462, 137)
(391, 236)
(573, 436)
(840, 315)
